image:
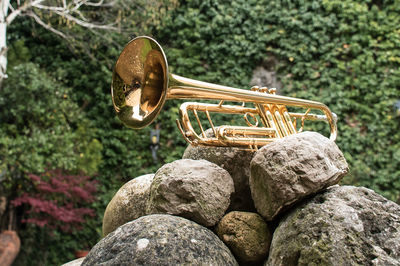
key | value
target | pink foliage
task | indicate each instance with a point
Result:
(58, 200)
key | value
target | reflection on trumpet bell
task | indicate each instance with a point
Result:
(141, 84)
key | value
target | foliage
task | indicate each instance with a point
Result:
(56, 210)
(41, 246)
(57, 200)
(41, 127)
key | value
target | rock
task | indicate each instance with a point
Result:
(128, 203)
(9, 247)
(76, 262)
(195, 189)
(343, 226)
(289, 169)
(246, 234)
(233, 160)
(160, 240)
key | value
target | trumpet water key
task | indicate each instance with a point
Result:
(141, 84)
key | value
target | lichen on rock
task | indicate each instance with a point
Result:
(343, 226)
(128, 203)
(292, 168)
(160, 239)
(246, 234)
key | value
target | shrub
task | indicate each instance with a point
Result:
(41, 126)
(43, 129)
(57, 200)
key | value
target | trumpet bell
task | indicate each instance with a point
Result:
(139, 82)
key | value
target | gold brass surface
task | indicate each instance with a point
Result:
(141, 84)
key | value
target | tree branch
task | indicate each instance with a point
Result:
(50, 8)
(20, 10)
(46, 26)
(84, 23)
(100, 3)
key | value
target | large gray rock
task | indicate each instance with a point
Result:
(343, 226)
(289, 169)
(233, 160)
(195, 189)
(246, 234)
(128, 203)
(160, 240)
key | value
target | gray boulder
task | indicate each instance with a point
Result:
(343, 226)
(233, 160)
(160, 240)
(289, 169)
(246, 234)
(128, 203)
(195, 189)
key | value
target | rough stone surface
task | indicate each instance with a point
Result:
(343, 226)
(9, 247)
(246, 234)
(289, 169)
(233, 160)
(266, 77)
(195, 189)
(128, 203)
(160, 240)
(76, 262)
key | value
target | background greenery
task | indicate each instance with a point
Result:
(56, 111)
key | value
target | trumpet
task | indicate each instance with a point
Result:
(141, 83)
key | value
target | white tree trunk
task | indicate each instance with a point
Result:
(4, 5)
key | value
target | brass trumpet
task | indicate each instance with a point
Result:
(141, 84)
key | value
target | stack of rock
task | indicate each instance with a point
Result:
(225, 206)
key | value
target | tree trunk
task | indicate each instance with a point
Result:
(4, 4)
